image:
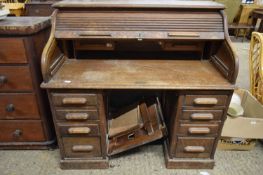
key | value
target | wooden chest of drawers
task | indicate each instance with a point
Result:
(80, 123)
(195, 126)
(25, 119)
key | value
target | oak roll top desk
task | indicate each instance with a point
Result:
(104, 55)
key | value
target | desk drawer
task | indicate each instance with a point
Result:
(94, 45)
(18, 106)
(75, 100)
(186, 129)
(194, 147)
(12, 50)
(79, 115)
(21, 131)
(81, 147)
(201, 115)
(79, 129)
(15, 78)
(205, 100)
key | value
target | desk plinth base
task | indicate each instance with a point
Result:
(84, 164)
(186, 163)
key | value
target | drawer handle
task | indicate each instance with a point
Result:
(95, 34)
(199, 130)
(202, 116)
(183, 34)
(205, 101)
(79, 130)
(194, 149)
(3, 79)
(82, 148)
(17, 133)
(77, 116)
(74, 101)
(10, 108)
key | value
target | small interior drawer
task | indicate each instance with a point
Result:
(94, 45)
(79, 129)
(188, 147)
(81, 147)
(15, 78)
(74, 99)
(187, 129)
(202, 115)
(21, 131)
(182, 46)
(79, 115)
(205, 100)
(12, 50)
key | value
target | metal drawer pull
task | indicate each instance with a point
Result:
(79, 130)
(10, 108)
(194, 149)
(77, 116)
(17, 133)
(202, 116)
(3, 79)
(82, 148)
(199, 130)
(74, 101)
(183, 34)
(205, 101)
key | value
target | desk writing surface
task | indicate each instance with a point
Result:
(137, 74)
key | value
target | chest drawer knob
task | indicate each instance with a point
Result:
(17, 133)
(79, 130)
(3, 79)
(74, 101)
(205, 101)
(194, 149)
(77, 116)
(82, 148)
(202, 116)
(10, 108)
(204, 130)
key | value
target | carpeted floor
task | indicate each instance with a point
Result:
(146, 160)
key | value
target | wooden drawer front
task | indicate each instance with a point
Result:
(12, 50)
(183, 46)
(15, 78)
(18, 106)
(79, 100)
(94, 45)
(205, 100)
(21, 131)
(198, 129)
(194, 147)
(202, 115)
(81, 147)
(77, 115)
(79, 129)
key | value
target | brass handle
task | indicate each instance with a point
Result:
(194, 149)
(3, 79)
(17, 133)
(205, 101)
(183, 34)
(82, 148)
(199, 130)
(202, 116)
(79, 130)
(74, 101)
(10, 108)
(77, 116)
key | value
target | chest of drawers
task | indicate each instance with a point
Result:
(25, 119)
